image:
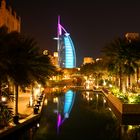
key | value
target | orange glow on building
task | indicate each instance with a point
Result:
(88, 60)
(9, 18)
(55, 59)
(132, 36)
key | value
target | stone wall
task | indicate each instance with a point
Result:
(116, 102)
(123, 108)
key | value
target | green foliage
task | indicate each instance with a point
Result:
(22, 62)
(134, 98)
(121, 56)
(123, 97)
(5, 114)
(137, 99)
(87, 69)
(8, 94)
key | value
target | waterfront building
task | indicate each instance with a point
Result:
(88, 60)
(132, 36)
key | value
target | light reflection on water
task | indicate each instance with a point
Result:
(127, 132)
(100, 114)
(97, 103)
(79, 113)
(64, 112)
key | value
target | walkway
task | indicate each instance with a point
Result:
(23, 104)
(26, 114)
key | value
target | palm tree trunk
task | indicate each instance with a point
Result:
(124, 79)
(129, 81)
(137, 70)
(97, 84)
(16, 100)
(32, 96)
(16, 117)
(117, 83)
(120, 75)
(0, 89)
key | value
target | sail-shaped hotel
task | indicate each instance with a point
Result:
(65, 48)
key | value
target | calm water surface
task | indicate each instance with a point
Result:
(82, 115)
(77, 115)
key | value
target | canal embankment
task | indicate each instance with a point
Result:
(24, 123)
(125, 112)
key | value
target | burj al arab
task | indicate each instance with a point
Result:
(65, 48)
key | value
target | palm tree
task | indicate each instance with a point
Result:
(40, 66)
(26, 63)
(121, 58)
(135, 52)
(3, 59)
(17, 70)
(95, 70)
(5, 111)
(22, 62)
(114, 53)
(99, 70)
(87, 69)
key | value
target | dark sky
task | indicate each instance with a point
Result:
(91, 24)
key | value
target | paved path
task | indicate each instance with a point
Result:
(27, 116)
(23, 104)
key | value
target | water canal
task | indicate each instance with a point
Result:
(82, 115)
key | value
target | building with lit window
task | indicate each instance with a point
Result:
(65, 48)
(9, 18)
(55, 59)
(132, 36)
(88, 60)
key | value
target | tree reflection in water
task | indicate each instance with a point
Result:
(89, 116)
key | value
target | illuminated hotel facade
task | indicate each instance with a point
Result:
(65, 48)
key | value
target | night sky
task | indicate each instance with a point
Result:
(91, 24)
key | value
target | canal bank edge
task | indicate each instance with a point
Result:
(126, 113)
(22, 123)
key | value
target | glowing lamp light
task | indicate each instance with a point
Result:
(31, 101)
(104, 83)
(55, 100)
(110, 85)
(3, 99)
(36, 92)
(104, 101)
(39, 85)
(130, 127)
(45, 52)
(56, 38)
(38, 125)
(55, 54)
(109, 108)
(46, 102)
